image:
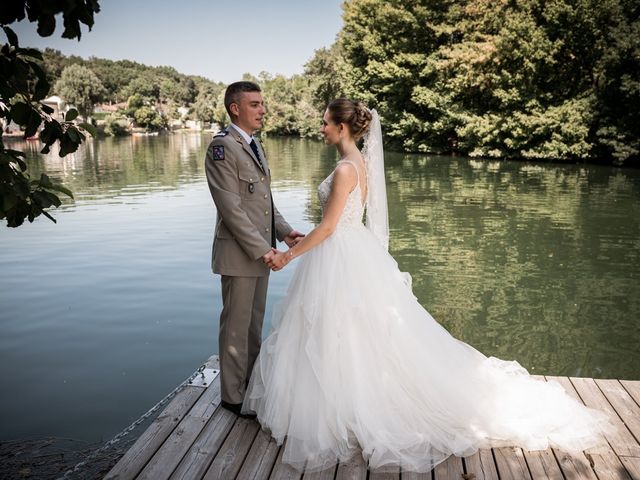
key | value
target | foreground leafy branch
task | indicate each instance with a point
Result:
(23, 86)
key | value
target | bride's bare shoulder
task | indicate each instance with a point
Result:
(345, 173)
(345, 168)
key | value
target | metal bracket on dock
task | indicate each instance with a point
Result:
(204, 377)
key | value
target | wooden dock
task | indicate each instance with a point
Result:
(194, 438)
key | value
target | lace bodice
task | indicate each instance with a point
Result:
(353, 209)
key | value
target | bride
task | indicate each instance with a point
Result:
(354, 362)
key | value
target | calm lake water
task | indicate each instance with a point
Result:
(108, 310)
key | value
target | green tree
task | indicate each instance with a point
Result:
(204, 106)
(325, 71)
(23, 85)
(115, 125)
(80, 87)
(114, 75)
(146, 85)
(220, 115)
(290, 109)
(134, 102)
(149, 118)
(531, 79)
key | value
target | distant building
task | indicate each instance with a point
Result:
(183, 111)
(59, 106)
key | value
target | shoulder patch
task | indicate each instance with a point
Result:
(221, 133)
(218, 152)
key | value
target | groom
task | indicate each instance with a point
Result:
(247, 226)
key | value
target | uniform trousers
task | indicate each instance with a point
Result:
(240, 337)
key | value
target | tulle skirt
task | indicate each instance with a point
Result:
(354, 363)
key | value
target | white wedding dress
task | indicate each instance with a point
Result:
(353, 361)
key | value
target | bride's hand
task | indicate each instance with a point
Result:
(278, 261)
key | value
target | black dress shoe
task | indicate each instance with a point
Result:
(237, 409)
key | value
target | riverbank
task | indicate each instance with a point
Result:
(141, 132)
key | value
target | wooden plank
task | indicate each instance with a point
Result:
(353, 469)
(167, 459)
(168, 456)
(624, 405)
(137, 456)
(543, 465)
(575, 467)
(622, 442)
(511, 464)
(608, 467)
(632, 464)
(197, 459)
(229, 459)
(601, 459)
(415, 475)
(260, 459)
(213, 362)
(633, 387)
(327, 474)
(385, 473)
(451, 469)
(482, 465)
(282, 471)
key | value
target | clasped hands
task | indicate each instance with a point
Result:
(275, 259)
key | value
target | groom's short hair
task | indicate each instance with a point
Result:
(235, 89)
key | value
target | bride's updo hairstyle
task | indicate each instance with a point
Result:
(355, 115)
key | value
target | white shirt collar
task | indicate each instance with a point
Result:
(244, 134)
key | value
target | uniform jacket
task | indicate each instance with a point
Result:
(241, 191)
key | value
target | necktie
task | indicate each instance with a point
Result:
(254, 147)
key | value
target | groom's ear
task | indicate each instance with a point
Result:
(234, 109)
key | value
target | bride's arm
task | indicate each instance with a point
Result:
(344, 180)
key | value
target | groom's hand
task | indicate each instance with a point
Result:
(292, 238)
(278, 261)
(268, 257)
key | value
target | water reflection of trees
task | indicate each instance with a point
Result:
(533, 262)
(115, 166)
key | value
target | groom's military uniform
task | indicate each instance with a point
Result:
(247, 226)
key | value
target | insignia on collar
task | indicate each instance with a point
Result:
(218, 152)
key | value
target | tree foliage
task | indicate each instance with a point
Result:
(324, 73)
(80, 87)
(290, 109)
(162, 88)
(538, 79)
(23, 86)
(149, 118)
